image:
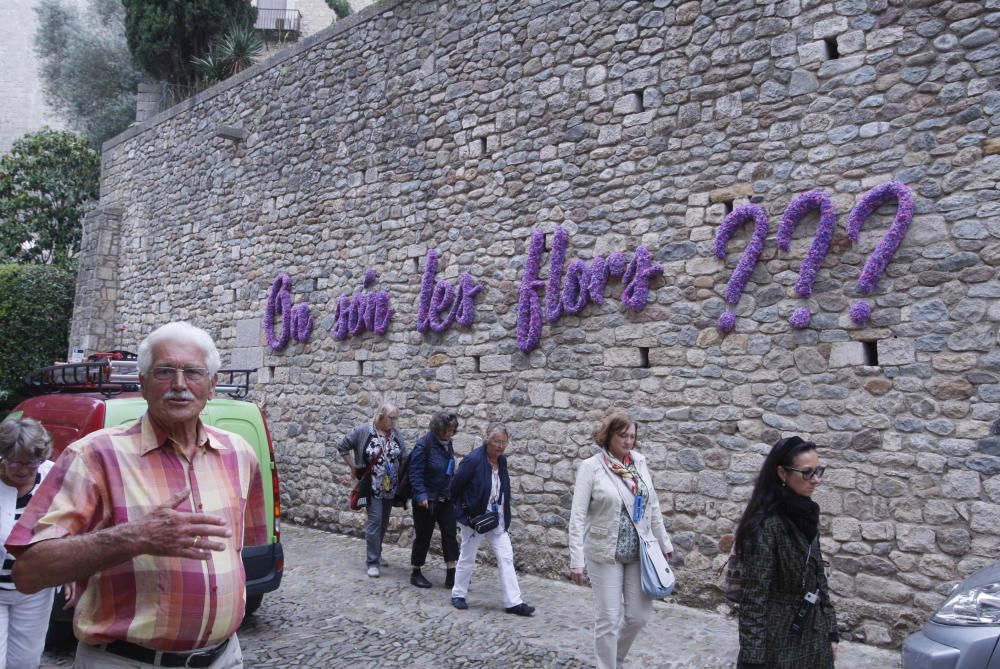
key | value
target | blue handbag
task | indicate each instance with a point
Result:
(657, 576)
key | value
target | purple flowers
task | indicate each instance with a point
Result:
(738, 281)
(880, 257)
(584, 283)
(295, 321)
(362, 311)
(796, 211)
(440, 305)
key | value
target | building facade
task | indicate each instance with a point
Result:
(477, 158)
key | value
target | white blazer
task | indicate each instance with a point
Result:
(596, 513)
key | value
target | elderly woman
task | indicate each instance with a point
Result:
(24, 449)
(604, 541)
(374, 451)
(432, 466)
(786, 616)
(482, 485)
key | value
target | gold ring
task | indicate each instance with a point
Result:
(196, 540)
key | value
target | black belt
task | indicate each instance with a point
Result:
(195, 658)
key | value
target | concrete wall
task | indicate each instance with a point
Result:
(463, 127)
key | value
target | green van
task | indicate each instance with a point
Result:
(83, 397)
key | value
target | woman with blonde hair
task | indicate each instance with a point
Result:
(374, 452)
(604, 540)
(24, 450)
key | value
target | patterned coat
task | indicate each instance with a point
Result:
(772, 593)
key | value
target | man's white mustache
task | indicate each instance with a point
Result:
(179, 395)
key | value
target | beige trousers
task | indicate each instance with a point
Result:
(621, 610)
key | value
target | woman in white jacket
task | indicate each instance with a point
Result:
(604, 542)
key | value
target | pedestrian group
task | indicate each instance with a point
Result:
(143, 525)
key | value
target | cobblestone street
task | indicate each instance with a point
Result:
(329, 614)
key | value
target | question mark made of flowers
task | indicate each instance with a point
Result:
(796, 211)
(748, 260)
(861, 310)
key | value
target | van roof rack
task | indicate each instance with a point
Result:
(111, 377)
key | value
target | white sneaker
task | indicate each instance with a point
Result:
(373, 571)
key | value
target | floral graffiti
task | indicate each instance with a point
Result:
(362, 311)
(584, 283)
(740, 276)
(440, 304)
(880, 257)
(796, 211)
(296, 323)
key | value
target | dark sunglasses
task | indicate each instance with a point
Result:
(808, 472)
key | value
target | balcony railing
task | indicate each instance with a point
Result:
(279, 20)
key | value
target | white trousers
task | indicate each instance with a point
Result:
(499, 541)
(621, 610)
(24, 619)
(92, 657)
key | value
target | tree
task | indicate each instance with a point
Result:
(164, 36)
(45, 181)
(87, 70)
(36, 303)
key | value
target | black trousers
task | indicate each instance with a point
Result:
(442, 513)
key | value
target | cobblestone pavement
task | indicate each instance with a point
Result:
(329, 614)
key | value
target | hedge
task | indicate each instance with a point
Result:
(36, 307)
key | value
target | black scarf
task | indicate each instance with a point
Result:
(801, 511)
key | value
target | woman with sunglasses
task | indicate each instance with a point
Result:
(24, 449)
(786, 616)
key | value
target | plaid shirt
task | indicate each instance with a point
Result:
(119, 474)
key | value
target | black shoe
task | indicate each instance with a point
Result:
(459, 603)
(419, 580)
(449, 579)
(521, 609)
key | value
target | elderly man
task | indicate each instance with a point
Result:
(149, 519)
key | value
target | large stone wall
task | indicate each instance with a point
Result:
(463, 126)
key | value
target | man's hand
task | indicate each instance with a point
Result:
(577, 575)
(71, 594)
(167, 531)
(423, 503)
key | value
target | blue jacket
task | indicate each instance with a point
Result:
(431, 482)
(471, 487)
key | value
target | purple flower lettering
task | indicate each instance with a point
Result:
(861, 311)
(738, 281)
(296, 323)
(883, 253)
(362, 311)
(529, 307)
(637, 277)
(800, 318)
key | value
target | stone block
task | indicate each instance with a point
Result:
(247, 358)
(831, 27)
(813, 52)
(878, 531)
(249, 332)
(846, 529)
(495, 363)
(985, 518)
(541, 394)
(847, 354)
(895, 352)
(962, 484)
(451, 397)
(622, 357)
(915, 538)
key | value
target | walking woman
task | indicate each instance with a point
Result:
(786, 616)
(603, 540)
(24, 449)
(376, 448)
(432, 466)
(482, 485)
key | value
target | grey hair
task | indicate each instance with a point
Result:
(24, 439)
(495, 427)
(179, 332)
(382, 411)
(442, 420)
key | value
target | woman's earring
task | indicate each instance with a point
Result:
(784, 483)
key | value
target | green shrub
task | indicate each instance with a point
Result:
(342, 8)
(36, 307)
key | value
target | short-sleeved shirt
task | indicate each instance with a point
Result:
(120, 474)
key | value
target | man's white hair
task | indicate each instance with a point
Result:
(179, 332)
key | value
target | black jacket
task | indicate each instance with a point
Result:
(471, 486)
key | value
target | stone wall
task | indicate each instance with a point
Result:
(464, 126)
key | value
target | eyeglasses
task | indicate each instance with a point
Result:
(14, 464)
(808, 472)
(192, 374)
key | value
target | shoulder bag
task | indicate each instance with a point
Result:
(359, 499)
(657, 577)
